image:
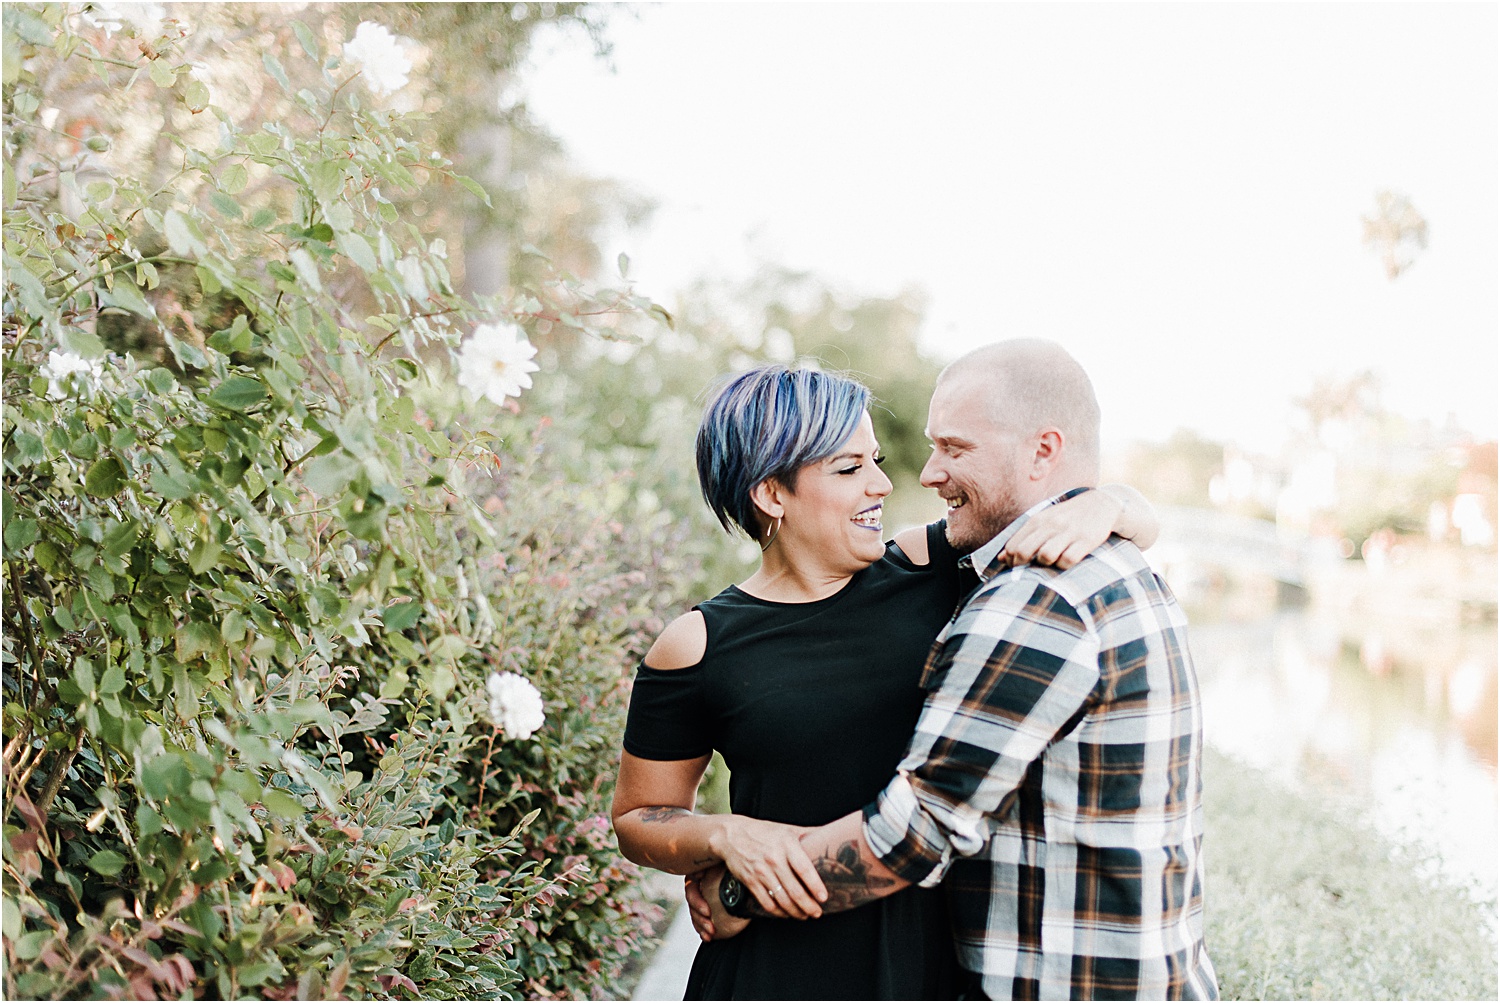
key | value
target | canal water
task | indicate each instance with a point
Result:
(1394, 721)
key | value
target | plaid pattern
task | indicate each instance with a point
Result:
(1054, 779)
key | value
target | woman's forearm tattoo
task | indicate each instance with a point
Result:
(662, 813)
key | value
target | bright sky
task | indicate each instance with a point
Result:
(1171, 191)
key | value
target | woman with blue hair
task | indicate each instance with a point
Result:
(805, 677)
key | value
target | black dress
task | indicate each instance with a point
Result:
(812, 706)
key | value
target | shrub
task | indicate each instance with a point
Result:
(1306, 902)
(253, 592)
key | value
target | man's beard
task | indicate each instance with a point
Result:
(982, 518)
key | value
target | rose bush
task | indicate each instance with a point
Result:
(255, 587)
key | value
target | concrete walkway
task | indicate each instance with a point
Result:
(666, 977)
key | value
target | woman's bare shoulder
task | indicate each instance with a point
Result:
(681, 645)
(913, 543)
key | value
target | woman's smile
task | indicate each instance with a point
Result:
(869, 518)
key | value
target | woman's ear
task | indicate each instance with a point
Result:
(767, 497)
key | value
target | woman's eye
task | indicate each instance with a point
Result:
(849, 470)
(880, 459)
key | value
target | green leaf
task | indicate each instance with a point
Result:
(208, 281)
(282, 805)
(107, 862)
(11, 923)
(105, 479)
(358, 250)
(162, 74)
(127, 296)
(238, 393)
(182, 235)
(305, 36)
(174, 486)
(30, 946)
(113, 681)
(21, 533)
(80, 342)
(195, 639)
(233, 627)
(319, 231)
(204, 555)
(118, 541)
(273, 67)
(187, 354)
(225, 205)
(473, 186)
(195, 96)
(401, 616)
(326, 178)
(395, 683)
(234, 179)
(328, 475)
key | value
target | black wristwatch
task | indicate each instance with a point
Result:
(734, 897)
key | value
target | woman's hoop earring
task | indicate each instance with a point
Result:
(772, 538)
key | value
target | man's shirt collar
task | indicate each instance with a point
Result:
(983, 559)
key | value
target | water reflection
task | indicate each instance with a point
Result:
(1397, 718)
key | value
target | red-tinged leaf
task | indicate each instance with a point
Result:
(151, 930)
(141, 987)
(354, 832)
(181, 927)
(141, 958)
(397, 979)
(285, 876)
(185, 974)
(23, 842)
(408, 903)
(34, 819)
(338, 977)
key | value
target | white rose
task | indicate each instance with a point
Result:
(496, 362)
(145, 18)
(61, 365)
(379, 56)
(515, 704)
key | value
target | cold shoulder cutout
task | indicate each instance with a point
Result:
(681, 645)
(913, 543)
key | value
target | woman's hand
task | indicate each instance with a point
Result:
(769, 859)
(1065, 533)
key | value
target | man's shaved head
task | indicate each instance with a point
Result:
(1032, 384)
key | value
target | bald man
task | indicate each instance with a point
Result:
(1054, 777)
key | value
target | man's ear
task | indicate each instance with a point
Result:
(1048, 455)
(767, 497)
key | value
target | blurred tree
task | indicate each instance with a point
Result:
(643, 401)
(1396, 230)
(1175, 472)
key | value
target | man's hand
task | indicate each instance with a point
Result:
(708, 915)
(1065, 533)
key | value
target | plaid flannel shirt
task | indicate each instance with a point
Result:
(1054, 778)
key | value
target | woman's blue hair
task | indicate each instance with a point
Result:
(768, 423)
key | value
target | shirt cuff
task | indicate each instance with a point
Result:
(905, 837)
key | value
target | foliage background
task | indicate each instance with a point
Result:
(257, 572)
